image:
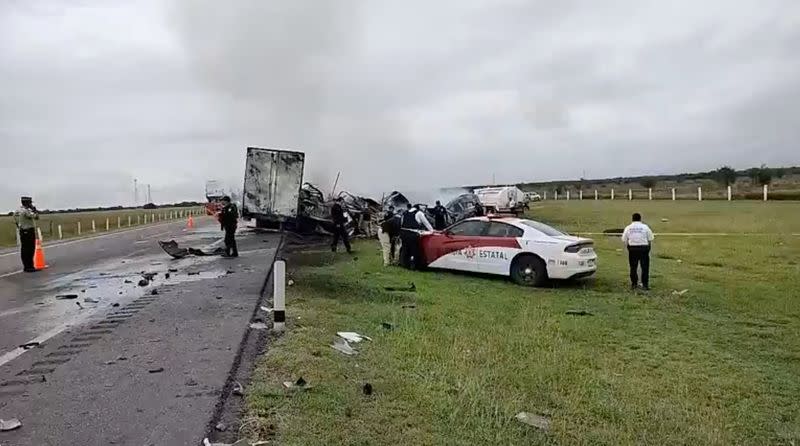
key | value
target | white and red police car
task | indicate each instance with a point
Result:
(528, 251)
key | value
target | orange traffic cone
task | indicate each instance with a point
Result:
(38, 256)
(190, 223)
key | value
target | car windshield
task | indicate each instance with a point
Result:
(543, 228)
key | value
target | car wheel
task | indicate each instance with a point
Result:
(529, 271)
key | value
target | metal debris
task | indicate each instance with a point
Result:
(290, 282)
(112, 362)
(190, 382)
(29, 345)
(351, 336)
(241, 442)
(154, 292)
(238, 389)
(300, 384)
(387, 326)
(166, 275)
(266, 309)
(116, 304)
(157, 370)
(579, 313)
(681, 292)
(193, 273)
(79, 305)
(532, 419)
(409, 306)
(219, 297)
(173, 270)
(91, 300)
(66, 296)
(122, 358)
(342, 346)
(10, 424)
(258, 326)
(144, 282)
(222, 427)
(128, 281)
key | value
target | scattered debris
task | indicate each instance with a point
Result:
(171, 247)
(230, 271)
(238, 389)
(410, 288)
(190, 382)
(166, 275)
(242, 442)
(122, 358)
(579, 313)
(193, 273)
(219, 297)
(158, 370)
(222, 427)
(149, 276)
(9, 425)
(115, 304)
(29, 345)
(128, 281)
(173, 270)
(83, 291)
(409, 306)
(680, 293)
(342, 346)
(155, 263)
(258, 326)
(112, 362)
(387, 326)
(664, 220)
(144, 282)
(290, 282)
(367, 389)
(268, 310)
(154, 292)
(79, 305)
(537, 421)
(91, 300)
(300, 384)
(66, 296)
(352, 336)
(680, 261)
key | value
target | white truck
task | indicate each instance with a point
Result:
(502, 199)
(272, 181)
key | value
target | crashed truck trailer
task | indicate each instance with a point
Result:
(272, 181)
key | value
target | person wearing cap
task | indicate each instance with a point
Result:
(388, 235)
(339, 225)
(25, 218)
(413, 221)
(439, 216)
(228, 221)
(638, 237)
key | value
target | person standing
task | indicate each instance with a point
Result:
(413, 221)
(339, 225)
(229, 220)
(24, 218)
(439, 216)
(638, 237)
(388, 233)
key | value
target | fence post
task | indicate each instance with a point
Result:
(555, 195)
(279, 295)
(79, 228)
(649, 193)
(729, 193)
(595, 194)
(567, 194)
(119, 222)
(673, 194)
(138, 219)
(545, 196)
(60, 233)
(765, 192)
(129, 221)
(699, 193)
(612, 194)
(107, 226)
(630, 194)
(580, 194)
(145, 218)
(152, 218)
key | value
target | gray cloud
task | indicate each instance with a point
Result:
(392, 94)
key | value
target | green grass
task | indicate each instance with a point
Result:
(69, 223)
(716, 365)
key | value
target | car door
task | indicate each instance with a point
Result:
(455, 248)
(499, 246)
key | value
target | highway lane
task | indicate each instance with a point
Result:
(95, 268)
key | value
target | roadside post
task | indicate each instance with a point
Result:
(630, 194)
(152, 218)
(765, 192)
(673, 194)
(555, 195)
(567, 194)
(612, 194)
(119, 222)
(279, 295)
(60, 233)
(94, 228)
(580, 194)
(545, 196)
(595, 194)
(649, 193)
(730, 196)
(145, 218)
(79, 228)
(699, 193)
(108, 227)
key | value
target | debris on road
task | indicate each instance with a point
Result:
(680, 293)
(122, 358)
(173, 270)
(238, 389)
(91, 300)
(190, 382)
(410, 288)
(171, 247)
(265, 309)
(241, 442)
(579, 312)
(387, 326)
(154, 292)
(193, 273)
(367, 389)
(342, 346)
(219, 297)
(166, 275)
(258, 326)
(222, 427)
(532, 419)
(111, 362)
(158, 370)
(115, 304)
(149, 276)
(10, 424)
(144, 282)
(79, 305)
(66, 296)
(29, 345)
(128, 281)
(300, 384)
(290, 282)
(352, 336)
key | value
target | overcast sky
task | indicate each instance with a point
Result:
(394, 94)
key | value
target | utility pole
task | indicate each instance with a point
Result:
(149, 197)
(136, 192)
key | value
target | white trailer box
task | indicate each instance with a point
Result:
(502, 199)
(272, 182)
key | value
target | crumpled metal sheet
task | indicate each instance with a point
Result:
(315, 212)
(171, 247)
(463, 206)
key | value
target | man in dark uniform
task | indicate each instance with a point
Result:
(228, 220)
(478, 210)
(413, 221)
(439, 216)
(339, 226)
(388, 235)
(24, 219)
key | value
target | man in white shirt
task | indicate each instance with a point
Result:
(638, 237)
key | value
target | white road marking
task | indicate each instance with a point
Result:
(10, 274)
(70, 242)
(13, 354)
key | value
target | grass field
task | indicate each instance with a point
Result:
(69, 222)
(718, 364)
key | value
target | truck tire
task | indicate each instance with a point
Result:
(529, 270)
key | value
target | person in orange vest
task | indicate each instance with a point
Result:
(24, 218)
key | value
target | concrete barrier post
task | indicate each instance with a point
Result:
(152, 218)
(555, 195)
(567, 195)
(699, 193)
(119, 222)
(580, 194)
(108, 227)
(630, 194)
(60, 233)
(79, 228)
(765, 192)
(94, 228)
(673, 194)
(730, 196)
(129, 221)
(544, 197)
(649, 193)
(595, 194)
(145, 218)
(612, 194)
(279, 295)
(138, 219)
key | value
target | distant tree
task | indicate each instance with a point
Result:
(725, 175)
(761, 175)
(779, 172)
(648, 182)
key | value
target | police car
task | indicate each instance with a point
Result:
(528, 251)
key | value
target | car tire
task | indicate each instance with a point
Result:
(528, 270)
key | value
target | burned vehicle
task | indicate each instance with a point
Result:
(314, 213)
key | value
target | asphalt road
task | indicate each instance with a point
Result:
(134, 367)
